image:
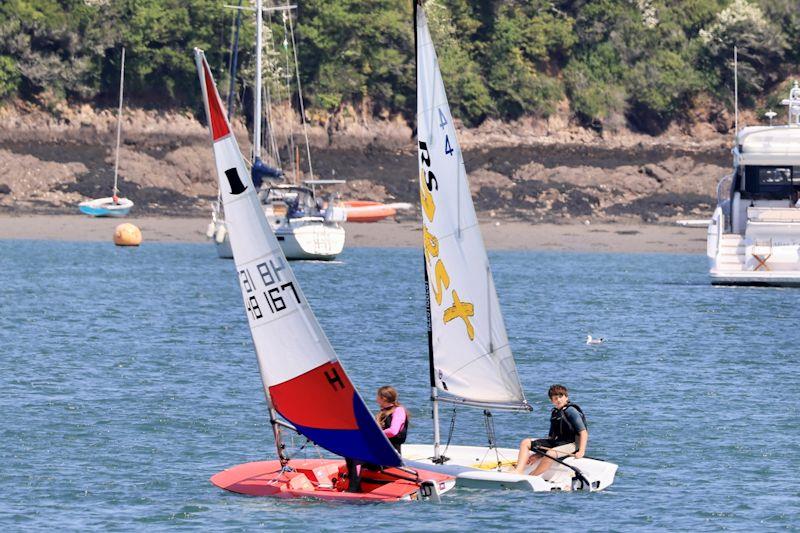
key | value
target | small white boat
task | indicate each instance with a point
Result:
(112, 206)
(471, 364)
(106, 207)
(304, 229)
(754, 234)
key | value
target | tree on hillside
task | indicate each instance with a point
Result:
(761, 48)
(356, 51)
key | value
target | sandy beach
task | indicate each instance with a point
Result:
(498, 235)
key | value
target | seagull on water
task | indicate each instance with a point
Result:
(590, 340)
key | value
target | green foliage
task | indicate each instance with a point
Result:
(785, 13)
(659, 87)
(527, 39)
(761, 48)
(594, 86)
(356, 50)
(617, 61)
(9, 77)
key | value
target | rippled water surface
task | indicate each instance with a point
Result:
(128, 378)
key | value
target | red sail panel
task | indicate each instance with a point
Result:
(219, 124)
(321, 398)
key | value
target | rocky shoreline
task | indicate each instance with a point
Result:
(535, 172)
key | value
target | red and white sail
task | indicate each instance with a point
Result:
(304, 380)
(471, 357)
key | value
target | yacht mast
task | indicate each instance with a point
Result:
(257, 99)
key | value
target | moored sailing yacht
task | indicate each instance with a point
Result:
(471, 364)
(754, 235)
(307, 232)
(306, 387)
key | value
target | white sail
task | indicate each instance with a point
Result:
(303, 378)
(471, 357)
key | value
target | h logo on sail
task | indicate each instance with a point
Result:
(237, 187)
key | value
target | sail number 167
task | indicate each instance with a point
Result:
(273, 291)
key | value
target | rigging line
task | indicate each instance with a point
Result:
(271, 53)
(300, 95)
(490, 433)
(287, 78)
(450, 431)
(119, 120)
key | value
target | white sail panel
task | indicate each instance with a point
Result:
(472, 359)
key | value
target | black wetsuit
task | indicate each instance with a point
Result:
(565, 424)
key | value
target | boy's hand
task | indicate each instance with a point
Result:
(579, 454)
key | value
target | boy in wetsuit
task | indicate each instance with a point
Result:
(568, 434)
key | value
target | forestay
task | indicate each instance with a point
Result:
(471, 358)
(303, 378)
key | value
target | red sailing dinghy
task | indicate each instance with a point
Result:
(303, 380)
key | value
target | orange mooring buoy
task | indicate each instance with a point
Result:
(127, 235)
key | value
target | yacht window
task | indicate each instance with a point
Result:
(770, 181)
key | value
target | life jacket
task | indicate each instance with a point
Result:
(400, 438)
(561, 429)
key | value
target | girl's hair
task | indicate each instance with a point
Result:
(388, 393)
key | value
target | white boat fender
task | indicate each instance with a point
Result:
(222, 232)
(429, 490)
(210, 229)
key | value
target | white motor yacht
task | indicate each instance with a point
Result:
(754, 234)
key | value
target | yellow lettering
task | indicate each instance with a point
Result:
(442, 278)
(426, 198)
(430, 244)
(462, 310)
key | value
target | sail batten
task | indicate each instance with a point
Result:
(302, 377)
(471, 358)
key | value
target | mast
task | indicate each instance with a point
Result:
(735, 92)
(119, 124)
(431, 367)
(257, 99)
(234, 61)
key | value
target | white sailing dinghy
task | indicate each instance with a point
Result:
(470, 358)
(111, 206)
(303, 380)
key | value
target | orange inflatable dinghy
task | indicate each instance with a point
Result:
(367, 211)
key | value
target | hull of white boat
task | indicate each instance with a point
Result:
(311, 241)
(493, 468)
(764, 251)
(106, 207)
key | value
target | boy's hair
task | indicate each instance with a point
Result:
(555, 390)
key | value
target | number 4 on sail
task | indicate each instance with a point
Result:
(470, 358)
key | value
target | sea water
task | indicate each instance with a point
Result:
(128, 378)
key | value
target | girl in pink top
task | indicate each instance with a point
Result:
(393, 417)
